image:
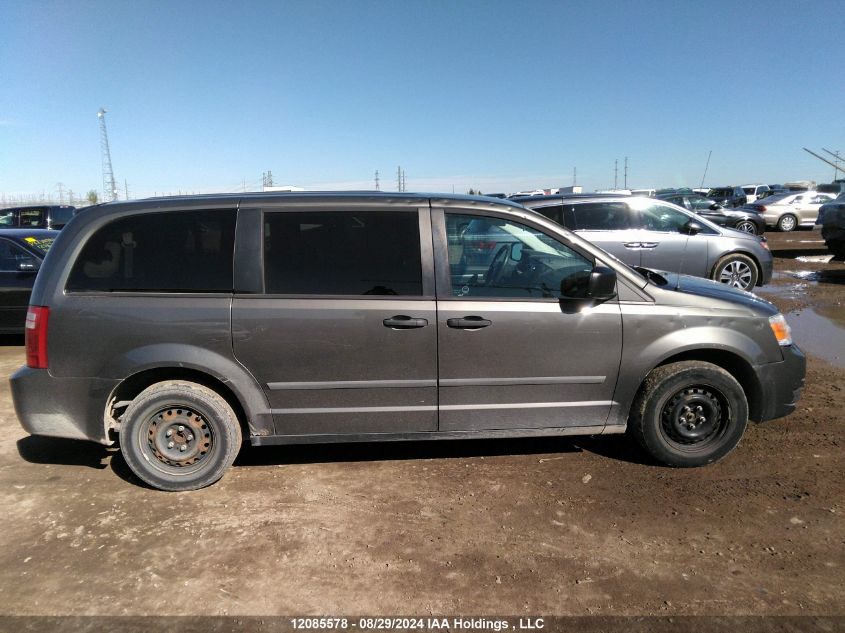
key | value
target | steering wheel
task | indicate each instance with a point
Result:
(497, 264)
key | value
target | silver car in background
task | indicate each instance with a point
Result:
(654, 234)
(790, 210)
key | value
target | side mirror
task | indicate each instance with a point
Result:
(691, 228)
(715, 206)
(602, 284)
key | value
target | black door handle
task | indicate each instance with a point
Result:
(469, 323)
(404, 322)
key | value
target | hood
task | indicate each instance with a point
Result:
(685, 290)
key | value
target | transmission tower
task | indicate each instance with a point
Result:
(378, 188)
(109, 185)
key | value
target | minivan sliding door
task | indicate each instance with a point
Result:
(341, 329)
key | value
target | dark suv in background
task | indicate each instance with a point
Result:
(178, 325)
(832, 220)
(37, 217)
(731, 197)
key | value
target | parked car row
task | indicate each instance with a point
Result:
(747, 221)
(306, 318)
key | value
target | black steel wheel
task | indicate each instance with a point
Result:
(689, 413)
(179, 436)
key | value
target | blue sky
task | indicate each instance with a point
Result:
(202, 96)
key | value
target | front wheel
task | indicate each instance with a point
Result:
(689, 413)
(736, 270)
(178, 435)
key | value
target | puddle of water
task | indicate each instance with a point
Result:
(791, 291)
(823, 276)
(820, 333)
(822, 259)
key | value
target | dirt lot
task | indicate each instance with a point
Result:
(568, 526)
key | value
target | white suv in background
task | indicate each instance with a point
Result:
(753, 192)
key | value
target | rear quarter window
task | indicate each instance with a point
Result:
(602, 216)
(178, 251)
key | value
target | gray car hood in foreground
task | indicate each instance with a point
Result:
(685, 290)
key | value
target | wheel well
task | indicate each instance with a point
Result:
(735, 365)
(747, 254)
(127, 390)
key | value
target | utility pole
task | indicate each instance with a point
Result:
(126, 188)
(404, 187)
(705, 169)
(625, 186)
(399, 178)
(378, 187)
(615, 173)
(109, 185)
(574, 176)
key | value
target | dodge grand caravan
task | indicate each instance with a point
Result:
(175, 326)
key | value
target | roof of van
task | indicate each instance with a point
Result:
(247, 198)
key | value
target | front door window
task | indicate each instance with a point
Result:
(494, 257)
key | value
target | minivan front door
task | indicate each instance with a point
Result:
(511, 354)
(342, 335)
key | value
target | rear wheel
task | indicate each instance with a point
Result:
(179, 436)
(787, 223)
(689, 413)
(747, 226)
(736, 270)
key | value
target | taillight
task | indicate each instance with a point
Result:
(36, 337)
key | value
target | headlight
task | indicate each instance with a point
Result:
(781, 330)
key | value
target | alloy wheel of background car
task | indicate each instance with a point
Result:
(736, 270)
(747, 226)
(689, 413)
(787, 223)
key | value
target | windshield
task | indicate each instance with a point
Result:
(722, 193)
(61, 216)
(778, 197)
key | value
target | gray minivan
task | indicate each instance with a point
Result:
(176, 325)
(660, 235)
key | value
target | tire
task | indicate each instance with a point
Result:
(787, 223)
(746, 226)
(662, 417)
(171, 414)
(737, 271)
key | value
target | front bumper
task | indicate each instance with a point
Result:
(781, 383)
(767, 267)
(61, 407)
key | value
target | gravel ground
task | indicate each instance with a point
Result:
(552, 526)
